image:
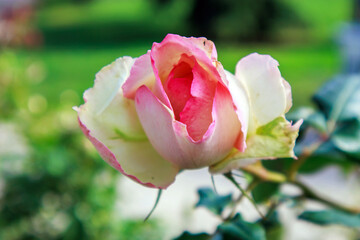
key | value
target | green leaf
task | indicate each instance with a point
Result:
(237, 228)
(300, 113)
(212, 201)
(273, 227)
(331, 217)
(263, 191)
(347, 137)
(318, 121)
(191, 236)
(339, 98)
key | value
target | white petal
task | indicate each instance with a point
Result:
(267, 94)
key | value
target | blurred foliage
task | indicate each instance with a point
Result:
(234, 20)
(212, 201)
(336, 123)
(237, 228)
(113, 21)
(60, 189)
(263, 191)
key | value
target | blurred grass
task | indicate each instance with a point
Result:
(323, 17)
(95, 12)
(110, 22)
(305, 67)
(304, 64)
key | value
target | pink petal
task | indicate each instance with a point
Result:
(171, 139)
(220, 138)
(206, 45)
(167, 54)
(157, 121)
(227, 130)
(196, 114)
(178, 87)
(241, 102)
(141, 73)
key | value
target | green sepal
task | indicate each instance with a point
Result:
(273, 140)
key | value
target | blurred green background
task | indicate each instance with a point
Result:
(53, 185)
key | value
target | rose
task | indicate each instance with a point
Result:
(175, 108)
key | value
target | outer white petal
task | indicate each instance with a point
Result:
(267, 93)
(110, 122)
(288, 95)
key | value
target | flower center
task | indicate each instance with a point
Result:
(191, 91)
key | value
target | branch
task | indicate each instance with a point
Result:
(248, 189)
(307, 152)
(244, 192)
(310, 194)
(262, 173)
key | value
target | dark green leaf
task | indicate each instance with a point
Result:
(237, 228)
(339, 98)
(318, 121)
(331, 217)
(273, 227)
(263, 191)
(317, 162)
(300, 113)
(347, 137)
(214, 202)
(194, 236)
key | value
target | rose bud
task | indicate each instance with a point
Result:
(176, 108)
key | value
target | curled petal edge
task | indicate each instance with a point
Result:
(110, 158)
